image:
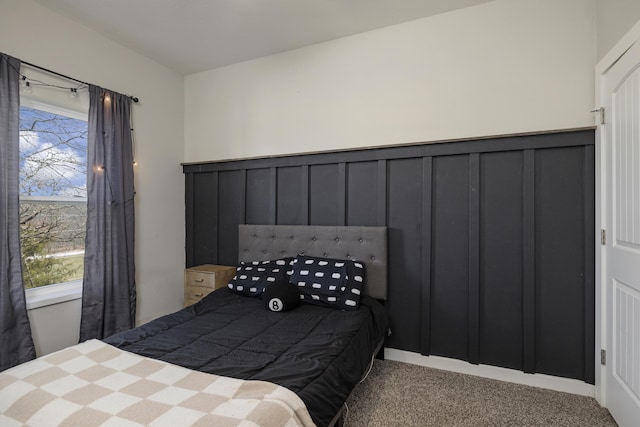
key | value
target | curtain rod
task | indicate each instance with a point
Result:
(133, 98)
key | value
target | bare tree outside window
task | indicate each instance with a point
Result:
(53, 192)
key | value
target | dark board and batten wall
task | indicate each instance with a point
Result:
(491, 242)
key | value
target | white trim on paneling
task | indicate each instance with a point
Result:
(502, 374)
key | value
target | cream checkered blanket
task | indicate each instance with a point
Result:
(95, 384)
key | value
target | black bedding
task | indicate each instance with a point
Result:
(319, 353)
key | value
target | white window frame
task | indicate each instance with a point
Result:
(57, 292)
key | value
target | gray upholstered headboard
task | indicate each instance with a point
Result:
(366, 244)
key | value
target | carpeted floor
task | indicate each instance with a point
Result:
(400, 394)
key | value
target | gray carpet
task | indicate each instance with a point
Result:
(400, 394)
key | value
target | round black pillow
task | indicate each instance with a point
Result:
(281, 296)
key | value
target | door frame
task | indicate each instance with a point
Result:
(602, 67)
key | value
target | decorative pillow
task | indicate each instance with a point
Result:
(281, 296)
(329, 282)
(252, 277)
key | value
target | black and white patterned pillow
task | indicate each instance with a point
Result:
(329, 282)
(252, 277)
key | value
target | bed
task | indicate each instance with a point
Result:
(294, 367)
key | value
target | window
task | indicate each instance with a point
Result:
(53, 194)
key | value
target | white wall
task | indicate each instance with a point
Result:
(33, 33)
(54, 327)
(503, 67)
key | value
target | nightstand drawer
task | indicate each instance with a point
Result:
(201, 280)
(196, 278)
(196, 292)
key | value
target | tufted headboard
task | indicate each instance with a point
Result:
(366, 244)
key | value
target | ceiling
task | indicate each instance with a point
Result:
(189, 36)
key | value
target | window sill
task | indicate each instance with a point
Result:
(53, 294)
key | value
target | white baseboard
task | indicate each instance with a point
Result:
(502, 374)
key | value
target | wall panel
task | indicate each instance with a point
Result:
(490, 241)
(231, 212)
(404, 210)
(202, 233)
(292, 195)
(559, 262)
(326, 194)
(362, 193)
(259, 196)
(450, 257)
(501, 323)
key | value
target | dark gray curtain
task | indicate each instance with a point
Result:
(109, 290)
(16, 344)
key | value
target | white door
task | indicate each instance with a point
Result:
(621, 255)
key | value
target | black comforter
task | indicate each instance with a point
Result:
(318, 353)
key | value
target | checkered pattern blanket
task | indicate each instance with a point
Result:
(95, 384)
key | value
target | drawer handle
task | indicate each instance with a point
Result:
(199, 280)
(199, 295)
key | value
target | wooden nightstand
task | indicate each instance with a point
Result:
(201, 280)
